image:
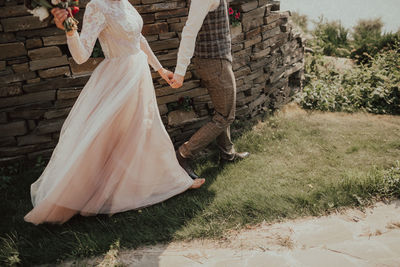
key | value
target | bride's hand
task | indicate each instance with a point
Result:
(60, 15)
(166, 75)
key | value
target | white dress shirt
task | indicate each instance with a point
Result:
(197, 13)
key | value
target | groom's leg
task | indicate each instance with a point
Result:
(218, 77)
(225, 144)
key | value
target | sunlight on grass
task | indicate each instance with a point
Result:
(301, 164)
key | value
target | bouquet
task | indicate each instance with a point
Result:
(40, 9)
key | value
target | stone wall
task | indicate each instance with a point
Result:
(39, 81)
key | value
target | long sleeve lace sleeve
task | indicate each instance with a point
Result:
(81, 46)
(151, 58)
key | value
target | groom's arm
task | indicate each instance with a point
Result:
(197, 13)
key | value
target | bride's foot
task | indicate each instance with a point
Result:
(198, 183)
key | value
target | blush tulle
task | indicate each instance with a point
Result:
(114, 153)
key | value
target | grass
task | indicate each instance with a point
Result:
(301, 164)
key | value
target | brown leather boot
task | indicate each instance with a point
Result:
(184, 162)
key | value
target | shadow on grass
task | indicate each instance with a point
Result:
(25, 244)
(88, 236)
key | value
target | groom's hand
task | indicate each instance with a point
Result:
(177, 81)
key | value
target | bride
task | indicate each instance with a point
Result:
(114, 153)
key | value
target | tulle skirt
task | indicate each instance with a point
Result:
(114, 153)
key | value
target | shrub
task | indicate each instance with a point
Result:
(369, 40)
(331, 38)
(372, 88)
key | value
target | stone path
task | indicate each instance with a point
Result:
(349, 238)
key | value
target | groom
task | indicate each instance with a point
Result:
(206, 35)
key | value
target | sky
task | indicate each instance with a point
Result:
(348, 11)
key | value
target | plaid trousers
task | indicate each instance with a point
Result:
(217, 76)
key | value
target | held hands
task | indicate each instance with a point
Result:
(177, 81)
(166, 75)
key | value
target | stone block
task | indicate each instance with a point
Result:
(163, 109)
(68, 94)
(21, 150)
(13, 129)
(49, 126)
(43, 96)
(57, 113)
(165, 44)
(181, 12)
(157, 7)
(33, 43)
(54, 72)
(168, 90)
(253, 19)
(8, 141)
(10, 50)
(13, 11)
(148, 18)
(56, 83)
(180, 117)
(48, 63)
(252, 42)
(175, 97)
(55, 40)
(22, 23)
(155, 28)
(44, 52)
(7, 37)
(26, 113)
(250, 5)
(18, 60)
(33, 139)
(23, 67)
(10, 90)
(17, 77)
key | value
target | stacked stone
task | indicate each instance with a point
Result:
(268, 57)
(40, 82)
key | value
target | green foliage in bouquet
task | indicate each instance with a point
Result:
(40, 9)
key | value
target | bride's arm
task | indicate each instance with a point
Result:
(81, 47)
(151, 58)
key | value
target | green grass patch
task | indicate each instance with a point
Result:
(301, 164)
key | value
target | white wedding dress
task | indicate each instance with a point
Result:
(114, 153)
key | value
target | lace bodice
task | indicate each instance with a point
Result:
(117, 25)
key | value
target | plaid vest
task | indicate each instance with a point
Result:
(214, 39)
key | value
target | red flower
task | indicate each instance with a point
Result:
(237, 15)
(74, 10)
(231, 11)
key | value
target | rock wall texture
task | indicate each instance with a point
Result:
(39, 81)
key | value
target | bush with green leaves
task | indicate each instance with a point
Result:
(369, 40)
(331, 38)
(373, 87)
